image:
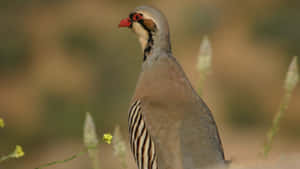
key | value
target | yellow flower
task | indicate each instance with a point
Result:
(107, 137)
(18, 152)
(2, 124)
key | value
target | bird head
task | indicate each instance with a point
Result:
(151, 27)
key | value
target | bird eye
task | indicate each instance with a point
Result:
(137, 17)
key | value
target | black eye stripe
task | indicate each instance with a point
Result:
(131, 15)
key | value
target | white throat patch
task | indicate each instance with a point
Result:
(142, 34)
(140, 31)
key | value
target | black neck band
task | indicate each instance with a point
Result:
(150, 41)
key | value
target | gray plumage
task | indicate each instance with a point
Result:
(169, 124)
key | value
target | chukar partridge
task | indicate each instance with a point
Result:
(170, 127)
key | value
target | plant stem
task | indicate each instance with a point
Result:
(62, 161)
(275, 124)
(3, 158)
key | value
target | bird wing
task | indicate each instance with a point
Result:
(162, 123)
(171, 135)
(199, 139)
(141, 142)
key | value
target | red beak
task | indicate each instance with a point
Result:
(125, 23)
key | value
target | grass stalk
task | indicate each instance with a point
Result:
(290, 83)
(204, 62)
(91, 141)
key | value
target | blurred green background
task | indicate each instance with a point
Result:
(60, 59)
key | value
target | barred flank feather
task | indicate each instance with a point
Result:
(142, 146)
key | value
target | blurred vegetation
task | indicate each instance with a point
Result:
(58, 105)
(281, 27)
(111, 59)
(291, 81)
(17, 153)
(14, 48)
(202, 20)
(79, 41)
(245, 113)
(16, 5)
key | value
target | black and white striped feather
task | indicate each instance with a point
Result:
(142, 145)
